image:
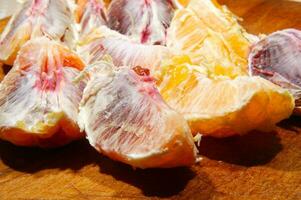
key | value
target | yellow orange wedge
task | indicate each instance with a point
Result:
(220, 106)
(211, 36)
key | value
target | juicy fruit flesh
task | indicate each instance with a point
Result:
(36, 18)
(277, 58)
(90, 14)
(121, 110)
(212, 38)
(143, 21)
(123, 51)
(38, 99)
(126, 119)
(222, 106)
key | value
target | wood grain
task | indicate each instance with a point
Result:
(255, 166)
(266, 16)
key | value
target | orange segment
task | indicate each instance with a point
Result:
(220, 106)
(211, 36)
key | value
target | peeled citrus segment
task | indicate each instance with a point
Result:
(222, 106)
(124, 52)
(51, 18)
(277, 58)
(211, 36)
(145, 21)
(38, 100)
(90, 14)
(126, 119)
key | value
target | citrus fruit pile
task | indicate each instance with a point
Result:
(140, 79)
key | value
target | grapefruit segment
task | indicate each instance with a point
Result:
(123, 51)
(145, 21)
(277, 58)
(38, 100)
(126, 119)
(90, 14)
(36, 18)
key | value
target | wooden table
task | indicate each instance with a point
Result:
(259, 166)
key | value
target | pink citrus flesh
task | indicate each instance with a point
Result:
(38, 101)
(126, 119)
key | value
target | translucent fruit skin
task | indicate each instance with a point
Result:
(90, 14)
(145, 21)
(123, 51)
(277, 58)
(126, 119)
(38, 100)
(36, 18)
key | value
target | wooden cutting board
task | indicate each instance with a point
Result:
(259, 166)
